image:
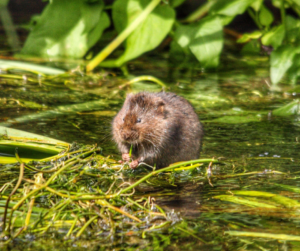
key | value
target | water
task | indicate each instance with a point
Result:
(260, 151)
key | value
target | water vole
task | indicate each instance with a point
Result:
(162, 128)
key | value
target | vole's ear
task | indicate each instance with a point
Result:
(129, 96)
(160, 106)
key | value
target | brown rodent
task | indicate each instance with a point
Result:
(162, 128)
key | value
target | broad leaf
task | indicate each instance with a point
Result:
(175, 3)
(292, 108)
(29, 146)
(248, 36)
(252, 47)
(296, 2)
(256, 5)
(149, 34)
(281, 60)
(293, 72)
(208, 42)
(185, 34)
(265, 16)
(292, 29)
(274, 37)
(67, 29)
(231, 7)
(24, 66)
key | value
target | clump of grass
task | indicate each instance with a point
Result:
(82, 192)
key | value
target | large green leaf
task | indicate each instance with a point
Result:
(296, 2)
(185, 34)
(292, 29)
(281, 60)
(67, 29)
(292, 108)
(256, 4)
(231, 7)
(29, 146)
(24, 66)
(175, 3)
(265, 16)
(149, 34)
(208, 41)
(274, 37)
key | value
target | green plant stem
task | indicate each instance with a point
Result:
(147, 78)
(254, 18)
(72, 227)
(282, 13)
(122, 36)
(11, 194)
(86, 225)
(199, 13)
(285, 237)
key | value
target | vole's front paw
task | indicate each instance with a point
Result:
(125, 157)
(134, 164)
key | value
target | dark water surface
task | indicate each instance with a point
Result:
(235, 106)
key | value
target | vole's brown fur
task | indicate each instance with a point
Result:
(162, 128)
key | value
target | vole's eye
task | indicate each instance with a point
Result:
(123, 119)
(138, 120)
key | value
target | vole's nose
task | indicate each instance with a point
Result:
(125, 136)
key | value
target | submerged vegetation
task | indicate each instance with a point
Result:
(79, 190)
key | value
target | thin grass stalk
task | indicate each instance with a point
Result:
(9, 197)
(147, 78)
(199, 13)
(27, 220)
(72, 227)
(122, 36)
(285, 237)
(86, 225)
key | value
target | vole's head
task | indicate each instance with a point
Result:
(141, 117)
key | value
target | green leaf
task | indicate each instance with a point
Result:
(237, 119)
(208, 42)
(252, 47)
(277, 4)
(281, 60)
(293, 72)
(149, 34)
(175, 3)
(29, 146)
(292, 29)
(297, 2)
(185, 34)
(231, 7)
(282, 200)
(24, 66)
(248, 36)
(256, 5)
(67, 29)
(292, 108)
(274, 37)
(242, 201)
(265, 16)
